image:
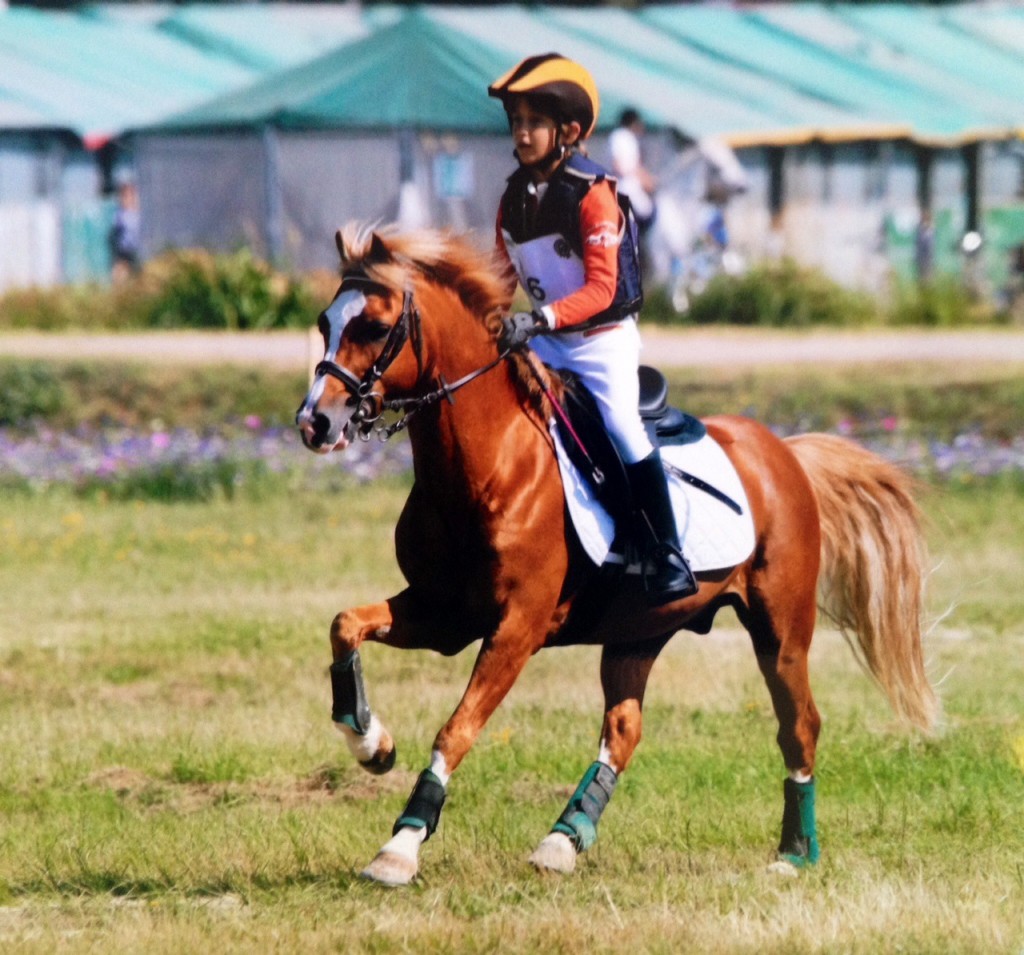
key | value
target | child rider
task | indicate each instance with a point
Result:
(561, 228)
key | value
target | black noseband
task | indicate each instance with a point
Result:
(369, 403)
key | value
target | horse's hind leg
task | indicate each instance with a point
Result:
(781, 629)
(624, 673)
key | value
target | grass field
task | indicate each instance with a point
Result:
(170, 781)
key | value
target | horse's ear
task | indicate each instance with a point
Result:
(379, 253)
(340, 243)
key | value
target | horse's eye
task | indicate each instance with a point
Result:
(367, 331)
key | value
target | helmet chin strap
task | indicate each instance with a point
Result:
(547, 162)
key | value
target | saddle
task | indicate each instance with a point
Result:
(599, 460)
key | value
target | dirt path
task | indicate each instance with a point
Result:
(663, 347)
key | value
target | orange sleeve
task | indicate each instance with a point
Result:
(599, 234)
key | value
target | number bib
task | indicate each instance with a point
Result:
(547, 267)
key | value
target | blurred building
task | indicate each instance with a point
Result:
(272, 125)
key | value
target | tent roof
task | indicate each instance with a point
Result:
(449, 55)
(98, 77)
(970, 80)
(754, 74)
(412, 74)
(703, 90)
(662, 96)
(879, 97)
(268, 37)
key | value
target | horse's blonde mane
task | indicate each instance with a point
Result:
(482, 284)
(481, 281)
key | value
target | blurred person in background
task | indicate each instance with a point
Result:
(635, 181)
(125, 234)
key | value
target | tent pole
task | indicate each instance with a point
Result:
(274, 223)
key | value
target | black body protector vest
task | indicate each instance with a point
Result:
(544, 242)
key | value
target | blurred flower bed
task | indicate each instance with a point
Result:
(185, 465)
(968, 456)
(182, 464)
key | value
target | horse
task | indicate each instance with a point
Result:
(489, 554)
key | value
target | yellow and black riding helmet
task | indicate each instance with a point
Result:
(558, 84)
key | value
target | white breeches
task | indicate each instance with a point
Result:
(606, 360)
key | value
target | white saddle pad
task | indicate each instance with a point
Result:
(711, 534)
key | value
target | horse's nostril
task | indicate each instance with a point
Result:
(321, 425)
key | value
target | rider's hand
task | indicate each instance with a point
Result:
(518, 329)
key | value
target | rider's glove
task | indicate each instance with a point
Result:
(518, 329)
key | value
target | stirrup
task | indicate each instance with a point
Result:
(670, 578)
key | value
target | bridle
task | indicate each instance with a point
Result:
(370, 405)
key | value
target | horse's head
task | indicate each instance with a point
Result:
(366, 330)
(378, 351)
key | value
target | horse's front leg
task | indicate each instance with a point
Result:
(624, 673)
(400, 622)
(368, 741)
(500, 662)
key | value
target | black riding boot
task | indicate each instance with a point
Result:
(670, 578)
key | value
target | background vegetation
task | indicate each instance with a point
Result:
(194, 289)
(925, 399)
(787, 295)
(181, 289)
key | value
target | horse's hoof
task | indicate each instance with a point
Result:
(390, 869)
(374, 750)
(554, 854)
(785, 866)
(383, 760)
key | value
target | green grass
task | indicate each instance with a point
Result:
(924, 399)
(935, 400)
(70, 394)
(170, 782)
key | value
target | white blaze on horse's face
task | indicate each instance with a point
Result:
(318, 432)
(349, 304)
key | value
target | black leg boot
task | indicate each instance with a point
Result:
(670, 578)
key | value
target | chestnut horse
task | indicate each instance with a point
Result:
(486, 546)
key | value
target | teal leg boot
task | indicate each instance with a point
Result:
(799, 843)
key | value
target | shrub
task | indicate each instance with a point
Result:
(29, 390)
(73, 307)
(184, 289)
(944, 302)
(781, 295)
(197, 289)
(236, 292)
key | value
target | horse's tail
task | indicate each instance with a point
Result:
(873, 566)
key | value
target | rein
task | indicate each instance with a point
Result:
(370, 404)
(596, 474)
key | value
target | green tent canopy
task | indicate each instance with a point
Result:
(413, 74)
